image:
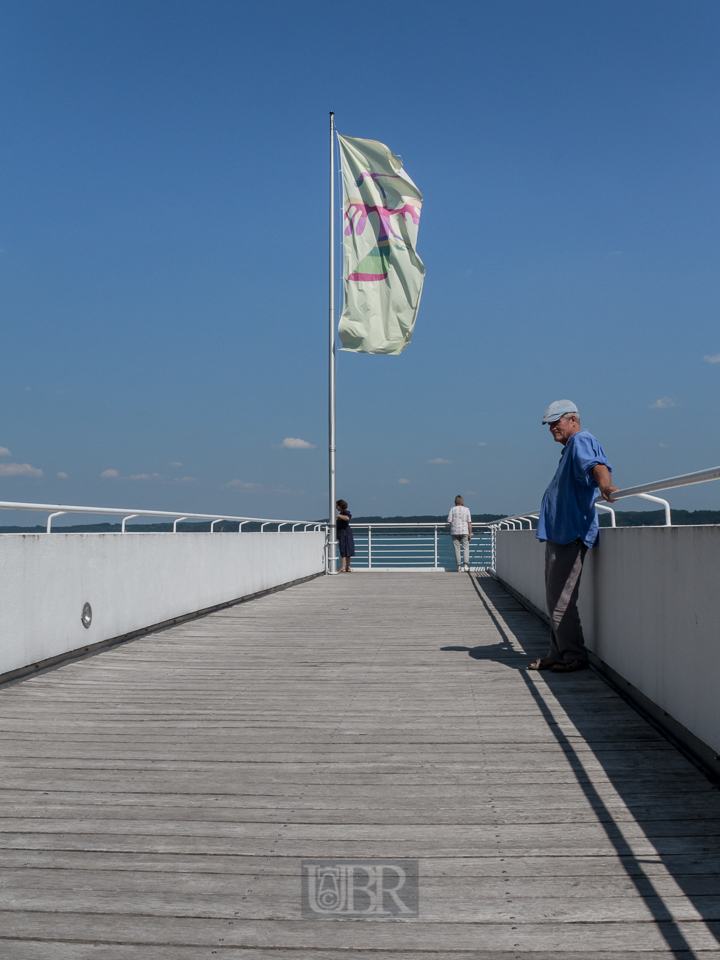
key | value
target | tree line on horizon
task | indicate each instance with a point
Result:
(624, 518)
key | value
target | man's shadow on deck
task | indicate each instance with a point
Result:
(497, 652)
(632, 768)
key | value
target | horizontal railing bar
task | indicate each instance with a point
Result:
(124, 511)
(684, 480)
(444, 523)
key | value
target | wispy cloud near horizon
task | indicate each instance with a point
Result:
(295, 443)
(4, 452)
(439, 460)
(19, 470)
(662, 403)
(712, 358)
(115, 475)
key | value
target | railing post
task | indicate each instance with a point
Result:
(369, 546)
(436, 550)
(125, 519)
(50, 519)
(668, 515)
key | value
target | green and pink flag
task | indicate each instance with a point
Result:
(382, 273)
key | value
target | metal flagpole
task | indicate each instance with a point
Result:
(332, 524)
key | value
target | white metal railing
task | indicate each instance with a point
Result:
(641, 490)
(417, 546)
(58, 510)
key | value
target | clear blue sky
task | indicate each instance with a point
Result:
(163, 225)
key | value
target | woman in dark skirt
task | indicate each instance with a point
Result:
(345, 535)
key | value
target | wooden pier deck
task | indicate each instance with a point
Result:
(157, 799)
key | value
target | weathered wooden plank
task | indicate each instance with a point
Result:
(364, 935)
(192, 893)
(39, 950)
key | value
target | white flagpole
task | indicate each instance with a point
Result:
(332, 524)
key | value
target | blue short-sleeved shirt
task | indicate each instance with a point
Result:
(567, 511)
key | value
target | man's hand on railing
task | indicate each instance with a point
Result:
(604, 482)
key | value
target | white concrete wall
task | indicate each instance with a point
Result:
(131, 580)
(650, 607)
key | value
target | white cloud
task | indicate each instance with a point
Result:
(662, 444)
(439, 460)
(4, 452)
(26, 389)
(115, 475)
(662, 403)
(481, 443)
(185, 480)
(63, 476)
(175, 463)
(19, 470)
(241, 485)
(403, 480)
(294, 443)
(715, 358)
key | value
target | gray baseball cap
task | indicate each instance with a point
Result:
(558, 409)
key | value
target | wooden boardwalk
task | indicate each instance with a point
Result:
(157, 799)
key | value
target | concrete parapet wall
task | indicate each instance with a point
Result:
(650, 607)
(132, 581)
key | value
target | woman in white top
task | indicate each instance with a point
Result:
(460, 520)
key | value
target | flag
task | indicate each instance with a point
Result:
(382, 273)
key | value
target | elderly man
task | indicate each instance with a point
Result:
(568, 523)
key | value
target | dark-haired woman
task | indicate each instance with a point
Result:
(345, 535)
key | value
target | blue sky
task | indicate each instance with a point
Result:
(163, 271)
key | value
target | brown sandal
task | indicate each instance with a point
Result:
(544, 663)
(570, 666)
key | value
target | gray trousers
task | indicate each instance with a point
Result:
(457, 540)
(563, 568)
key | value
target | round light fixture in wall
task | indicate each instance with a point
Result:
(86, 616)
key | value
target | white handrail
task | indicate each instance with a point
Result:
(684, 480)
(642, 490)
(58, 509)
